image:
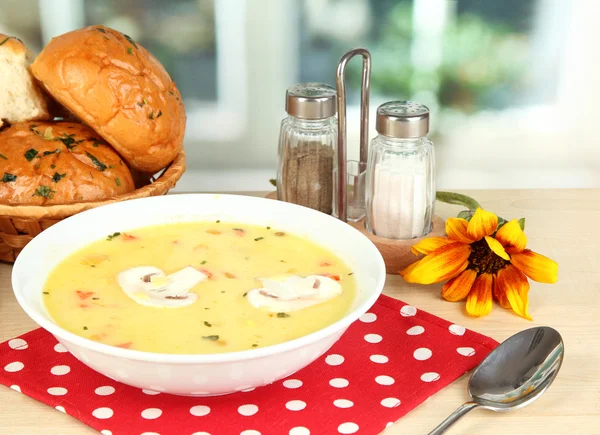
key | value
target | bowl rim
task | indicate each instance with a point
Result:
(214, 358)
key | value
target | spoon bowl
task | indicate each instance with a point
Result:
(514, 374)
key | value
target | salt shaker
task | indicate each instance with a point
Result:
(306, 147)
(400, 191)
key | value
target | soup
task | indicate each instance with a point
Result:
(199, 288)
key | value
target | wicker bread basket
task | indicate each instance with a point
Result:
(20, 224)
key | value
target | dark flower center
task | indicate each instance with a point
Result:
(484, 260)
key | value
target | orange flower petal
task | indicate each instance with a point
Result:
(427, 246)
(536, 266)
(499, 294)
(497, 247)
(442, 264)
(458, 288)
(512, 237)
(456, 229)
(483, 223)
(479, 302)
(514, 285)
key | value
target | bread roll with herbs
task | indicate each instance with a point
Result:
(20, 98)
(44, 163)
(119, 89)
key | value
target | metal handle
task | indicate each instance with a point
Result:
(453, 418)
(364, 122)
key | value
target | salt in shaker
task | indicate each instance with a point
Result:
(400, 191)
(306, 147)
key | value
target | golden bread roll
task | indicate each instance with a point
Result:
(119, 89)
(20, 98)
(44, 163)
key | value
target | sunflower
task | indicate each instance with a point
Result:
(481, 263)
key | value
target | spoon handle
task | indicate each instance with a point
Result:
(453, 418)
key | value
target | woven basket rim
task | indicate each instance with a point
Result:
(163, 183)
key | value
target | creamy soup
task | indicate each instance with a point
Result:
(205, 287)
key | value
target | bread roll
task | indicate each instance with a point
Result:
(20, 98)
(119, 89)
(43, 163)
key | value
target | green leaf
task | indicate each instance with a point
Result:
(273, 181)
(45, 192)
(522, 223)
(30, 154)
(466, 214)
(8, 178)
(99, 165)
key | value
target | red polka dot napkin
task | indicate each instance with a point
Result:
(386, 364)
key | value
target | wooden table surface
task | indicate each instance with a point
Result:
(560, 224)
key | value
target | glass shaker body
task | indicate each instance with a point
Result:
(306, 155)
(400, 191)
(306, 162)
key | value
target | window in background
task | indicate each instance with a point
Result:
(464, 56)
(179, 33)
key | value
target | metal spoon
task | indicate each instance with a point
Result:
(514, 374)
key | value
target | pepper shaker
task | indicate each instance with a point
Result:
(306, 147)
(400, 193)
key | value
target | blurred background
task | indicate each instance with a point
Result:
(512, 85)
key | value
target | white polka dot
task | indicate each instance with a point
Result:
(106, 432)
(14, 366)
(339, 383)
(343, 403)
(300, 430)
(17, 344)
(103, 413)
(390, 402)
(373, 338)
(384, 380)
(430, 377)
(57, 391)
(60, 348)
(250, 432)
(368, 317)
(60, 370)
(466, 351)
(457, 329)
(408, 311)
(422, 353)
(150, 433)
(334, 359)
(295, 405)
(292, 383)
(200, 433)
(16, 388)
(389, 424)
(106, 390)
(151, 413)
(248, 410)
(379, 359)
(61, 409)
(348, 427)
(416, 330)
(150, 392)
(199, 410)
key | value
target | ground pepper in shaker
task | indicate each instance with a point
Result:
(401, 172)
(306, 147)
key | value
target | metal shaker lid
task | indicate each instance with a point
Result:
(311, 101)
(402, 119)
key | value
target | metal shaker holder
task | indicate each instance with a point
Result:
(350, 177)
